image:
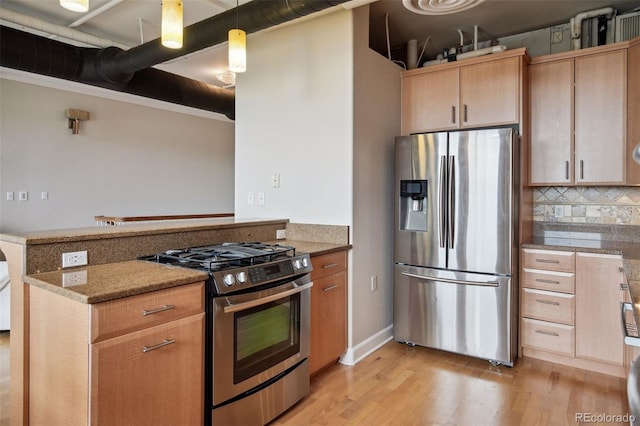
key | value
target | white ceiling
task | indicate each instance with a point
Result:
(132, 22)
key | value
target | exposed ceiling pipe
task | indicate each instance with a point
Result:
(117, 69)
(56, 31)
(86, 17)
(576, 23)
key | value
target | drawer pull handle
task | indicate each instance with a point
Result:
(331, 287)
(547, 333)
(465, 113)
(157, 310)
(547, 261)
(624, 287)
(548, 302)
(453, 114)
(166, 342)
(540, 280)
(329, 265)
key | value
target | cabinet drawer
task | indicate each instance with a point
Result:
(546, 280)
(328, 264)
(133, 313)
(549, 260)
(548, 336)
(548, 306)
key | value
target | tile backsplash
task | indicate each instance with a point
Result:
(615, 205)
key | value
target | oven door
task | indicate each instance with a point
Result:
(258, 335)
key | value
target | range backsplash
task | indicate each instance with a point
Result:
(609, 205)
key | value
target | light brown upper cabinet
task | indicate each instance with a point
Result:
(633, 110)
(579, 117)
(483, 91)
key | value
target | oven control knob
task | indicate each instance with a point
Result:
(241, 277)
(297, 264)
(305, 262)
(229, 280)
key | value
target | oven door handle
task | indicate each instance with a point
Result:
(628, 339)
(262, 300)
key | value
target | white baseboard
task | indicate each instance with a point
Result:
(363, 349)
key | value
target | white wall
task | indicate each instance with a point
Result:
(294, 117)
(321, 109)
(377, 101)
(128, 160)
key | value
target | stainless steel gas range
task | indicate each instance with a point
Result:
(257, 335)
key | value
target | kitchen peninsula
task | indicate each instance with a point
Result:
(114, 275)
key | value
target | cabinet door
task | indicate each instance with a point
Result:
(600, 118)
(490, 93)
(163, 385)
(430, 101)
(551, 94)
(598, 297)
(328, 320)
(633, 105)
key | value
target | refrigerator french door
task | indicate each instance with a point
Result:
(455, 242)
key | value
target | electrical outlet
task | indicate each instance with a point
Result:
(76, 258)
(23, 195)
(275, 180)
(250, 198)
(70, 279)
(10, 196)
(557, 211)
(374, 282)
(281, 234)
(261, 198)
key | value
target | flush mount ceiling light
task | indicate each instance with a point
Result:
(171, 24)
(237, 47)
(439, 7)
(75, 5)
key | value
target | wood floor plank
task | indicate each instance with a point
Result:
(402, 385)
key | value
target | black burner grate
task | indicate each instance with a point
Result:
(224, 256)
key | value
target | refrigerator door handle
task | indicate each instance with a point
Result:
(443, 201)
(453, 281)
(451, 201)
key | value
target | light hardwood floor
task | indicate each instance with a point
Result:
(401, 385)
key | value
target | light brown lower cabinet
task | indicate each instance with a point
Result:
(328, 309)
(115, 364)
(570, 309)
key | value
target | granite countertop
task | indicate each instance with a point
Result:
(114, 280)
(157, 228)
(110, 281)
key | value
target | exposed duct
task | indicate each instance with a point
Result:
(130, 71)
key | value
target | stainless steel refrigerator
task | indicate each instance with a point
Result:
(455, 248)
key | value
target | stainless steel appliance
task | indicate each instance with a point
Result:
(455, 248)
(258, 317)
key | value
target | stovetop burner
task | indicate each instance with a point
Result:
(224, 256)
(239, 267)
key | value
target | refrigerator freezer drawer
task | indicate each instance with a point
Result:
(548, 336)
(470, 314)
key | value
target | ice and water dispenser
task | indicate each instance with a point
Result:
(413, 205)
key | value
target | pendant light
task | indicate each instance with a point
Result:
(237, 47)
(75, 5)
(171, 24)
